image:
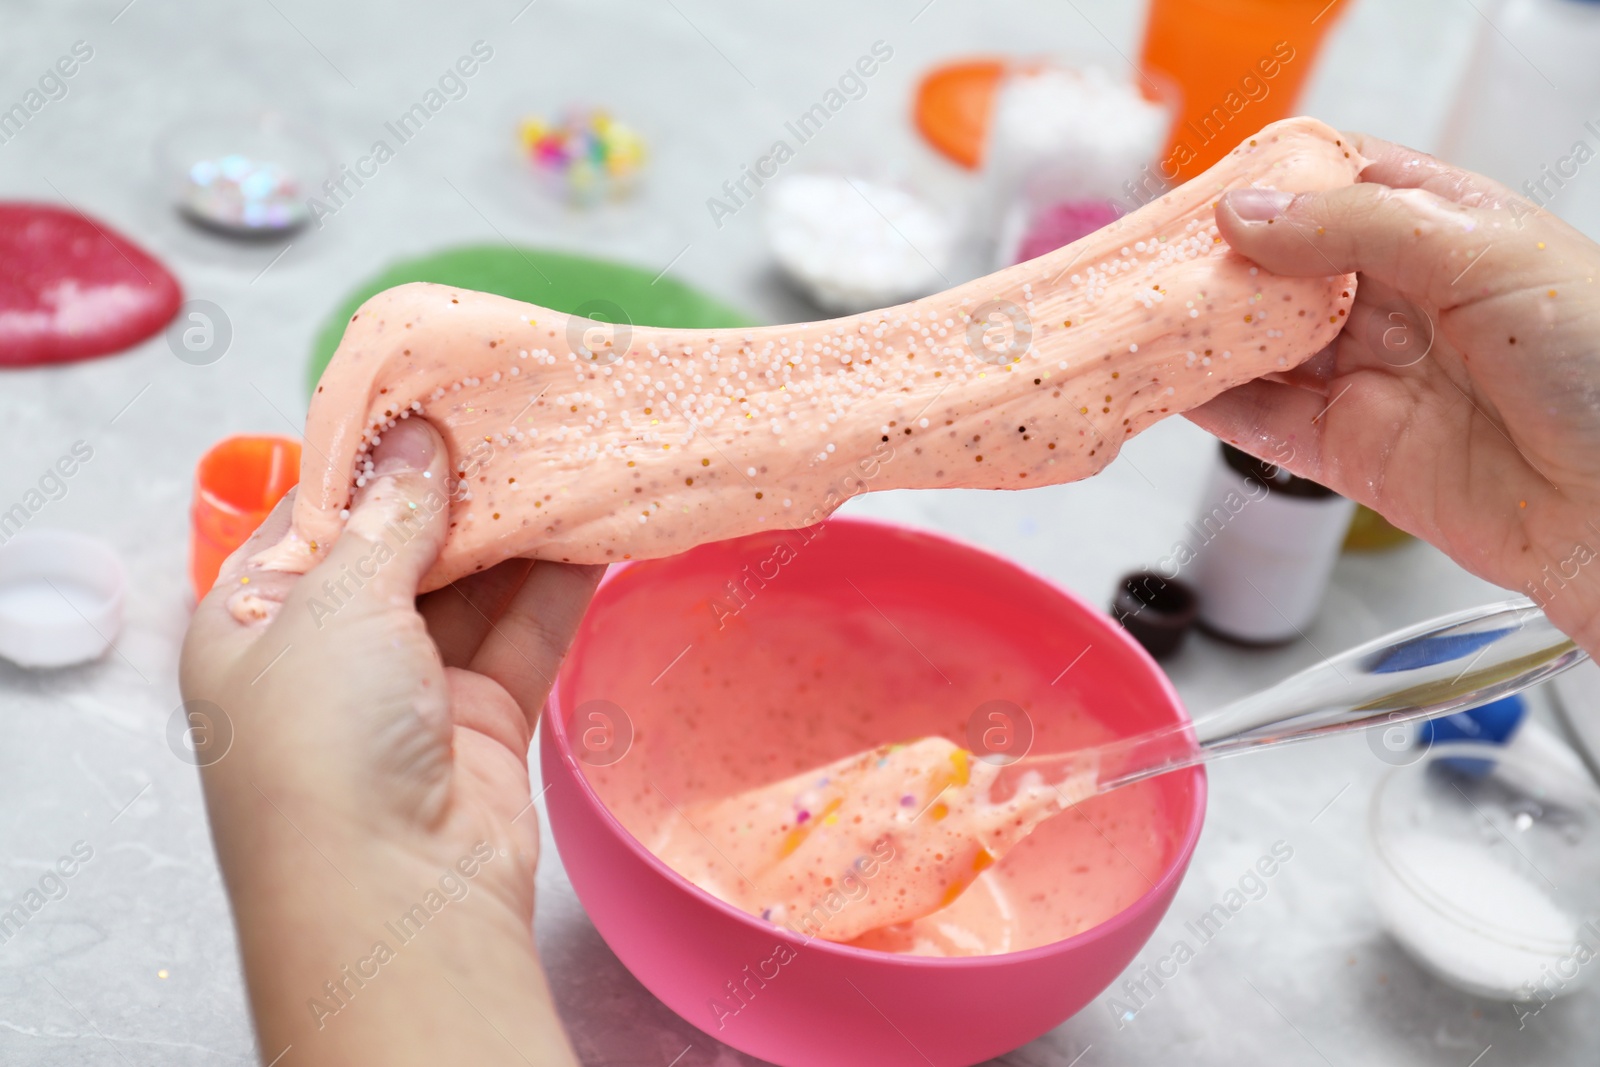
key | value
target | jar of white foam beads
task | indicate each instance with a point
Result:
(1065, 135)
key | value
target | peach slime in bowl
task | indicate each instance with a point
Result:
(746, 661)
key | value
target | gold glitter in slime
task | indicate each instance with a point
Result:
(590, 443)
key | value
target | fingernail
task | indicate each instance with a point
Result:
(406, 447)
(1259, 205)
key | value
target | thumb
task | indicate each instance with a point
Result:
(1412, 240)
(362, 701)
(398, 522)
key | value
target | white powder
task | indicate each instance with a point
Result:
(855, 245)
(48, 601)
(1471, 919)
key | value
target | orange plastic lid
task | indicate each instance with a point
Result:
(952, 107)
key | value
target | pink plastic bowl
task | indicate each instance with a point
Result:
(833, 1004)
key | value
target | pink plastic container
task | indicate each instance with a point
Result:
(832, 1004)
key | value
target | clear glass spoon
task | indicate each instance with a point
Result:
(1448, 664)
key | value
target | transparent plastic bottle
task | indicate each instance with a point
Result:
(1528, 110)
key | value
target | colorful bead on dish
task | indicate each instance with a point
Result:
(586, 155)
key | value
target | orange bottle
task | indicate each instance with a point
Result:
(236, 485)
(1240, 64)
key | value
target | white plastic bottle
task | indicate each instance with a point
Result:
(1528, 110)
(1264, 545)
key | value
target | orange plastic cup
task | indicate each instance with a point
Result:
(1240, 64)
(236, 485)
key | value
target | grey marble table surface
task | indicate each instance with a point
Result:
(136, 963)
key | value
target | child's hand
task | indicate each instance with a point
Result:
(1462, 399)
(363, 760)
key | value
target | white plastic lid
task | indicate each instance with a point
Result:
(60, 597)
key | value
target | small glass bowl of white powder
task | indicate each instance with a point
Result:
(1485, 867)
(854, 244)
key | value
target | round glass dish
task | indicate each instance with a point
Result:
(1484, 865)
(246, 175)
